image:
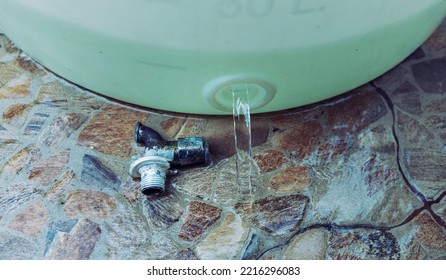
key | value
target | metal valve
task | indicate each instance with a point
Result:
(154, 164)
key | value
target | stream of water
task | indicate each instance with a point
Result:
(242, 141)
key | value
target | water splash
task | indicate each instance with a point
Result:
(242, 140)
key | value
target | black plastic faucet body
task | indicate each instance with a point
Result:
(185, 151)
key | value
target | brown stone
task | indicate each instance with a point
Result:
(355, 113)
(86, 203)
(111, 131)
(300, 140)
(57, 189)
(430, 233)
(279, 215)
(172, 126)
(164, 210)
(293, 117)
(427, 169)
(7, 147)
(78, 244)
(437, 41)
(31, 220)
(22, 159)
(413, 131)
(226, 241)
(47, 171)
(436, 106)
(269, 160)
(8, 73)
(27, 64)
(16, 89)
(54, 94)
(311, 245)
(362, 244)
(199, 218)
(292, 179)
(15, 112)
(422, 238)
(333, 148)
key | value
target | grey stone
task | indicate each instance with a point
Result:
(95, 173)
(16, 248)
(78, 244)
(226, 242)
(61, 128)
(36, 123)
(58, 226)
(413, 131)
(164, 210)
(364, 188)
(14, 196)
(310, 245)
(426, 168)
(186, 254)
(362, 244)
(431, 75)
(129, 236)
(279, 215)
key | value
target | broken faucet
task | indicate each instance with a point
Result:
(154, 164)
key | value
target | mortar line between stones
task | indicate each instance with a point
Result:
(389, 102)
(330, 227)
(438, 199)
(426, 204)
(410, 217)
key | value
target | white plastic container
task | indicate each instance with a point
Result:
(189, 55)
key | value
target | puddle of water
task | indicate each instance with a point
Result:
(242, 141)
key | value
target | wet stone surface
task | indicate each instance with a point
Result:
(163, 211)
(199, 217)
(358, 176)
(362, 244)
(279, 215)
(225, 242)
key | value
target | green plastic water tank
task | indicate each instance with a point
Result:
(189, 55)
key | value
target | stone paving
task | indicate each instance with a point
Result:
(360, 176)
